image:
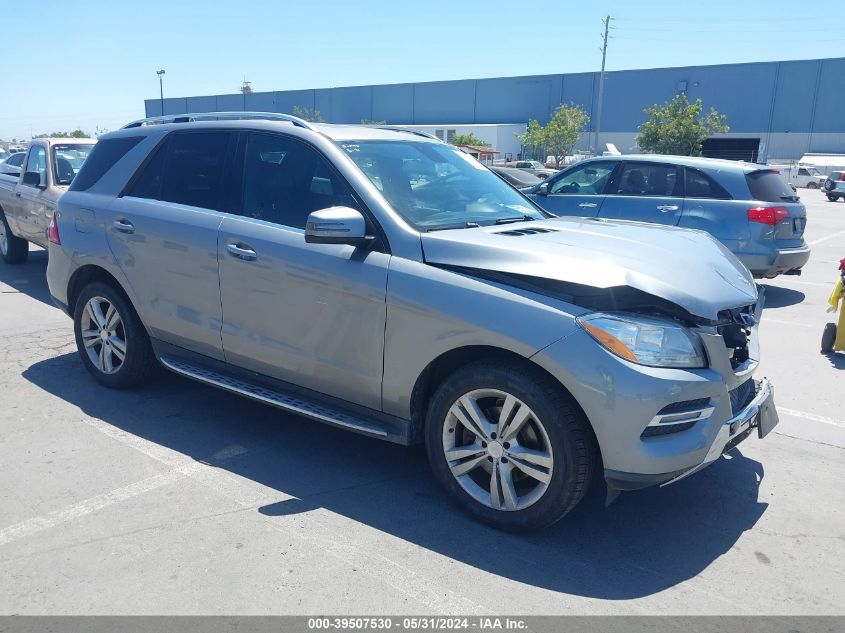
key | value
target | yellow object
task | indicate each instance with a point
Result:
(834, 301)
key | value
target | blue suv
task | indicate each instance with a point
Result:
(750, 208)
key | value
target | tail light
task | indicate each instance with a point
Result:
(767, 215)
(53, 231)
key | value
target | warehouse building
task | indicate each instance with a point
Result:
(777, 111)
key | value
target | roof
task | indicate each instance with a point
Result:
(824, 160)
(479, 150)
(67, 141)
(687, 161)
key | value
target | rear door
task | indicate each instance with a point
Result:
(577, 191)
(163, 233)
(645, 192)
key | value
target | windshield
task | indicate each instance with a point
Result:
(438, 186)
(813, 171)
(67, 159)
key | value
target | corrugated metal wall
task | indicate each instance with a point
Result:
(796, 105)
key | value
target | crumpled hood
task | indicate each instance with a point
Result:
(688, 268)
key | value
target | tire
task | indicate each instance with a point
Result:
(812, 185)
(103, 360)
(828, 338)
(832, 198)
(13, 249)
(556, 430)
(828, 185)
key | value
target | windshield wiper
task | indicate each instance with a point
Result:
(523, 218)
(456, 225)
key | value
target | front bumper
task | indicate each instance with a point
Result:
(759, 414)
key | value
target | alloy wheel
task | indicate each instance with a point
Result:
(103, 335)
(497, 449)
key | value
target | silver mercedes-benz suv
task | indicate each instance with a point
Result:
(385, 282)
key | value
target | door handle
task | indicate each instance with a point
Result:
(667, 207)
(124, 226)
(242, 251)
(588, 205)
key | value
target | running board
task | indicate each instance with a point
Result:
(300, 406)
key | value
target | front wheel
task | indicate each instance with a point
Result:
(110, 337)
(828, 338)
(812, 185)
(509, 445)
(13, 249)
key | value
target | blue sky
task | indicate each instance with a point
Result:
(91, 63)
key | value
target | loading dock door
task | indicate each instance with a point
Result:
(732, 148)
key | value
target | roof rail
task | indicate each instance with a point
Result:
(399, 128)
(219, 116)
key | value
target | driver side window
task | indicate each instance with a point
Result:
(589, 178)
(37, 162)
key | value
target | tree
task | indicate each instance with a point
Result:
(559, 136)
(469, 139)
(309, 114)
(679, 127)
(77, 133)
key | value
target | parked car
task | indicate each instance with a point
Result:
(749, 208)
(807, 176)
(533, 167)
(297, 264)
(834, 186)
(515, 177)
(11, 165)
(28, 198)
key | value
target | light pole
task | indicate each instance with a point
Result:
(601, 83)
(161, 89)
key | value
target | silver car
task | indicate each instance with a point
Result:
(306, 266)
(750, 208)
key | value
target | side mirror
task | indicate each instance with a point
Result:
(337, 225)
(543, 189)
(32, 178)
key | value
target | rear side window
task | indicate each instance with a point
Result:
(769, 186)
(102, 158)
(699, 185)
(647, 179)
(187, 169)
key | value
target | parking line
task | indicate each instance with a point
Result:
(811, 416)
(93, 504)
(826, 238)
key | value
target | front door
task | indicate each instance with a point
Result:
(577, 191)
(164, 236)
(33, 212)
(645, 192)
(309, 314)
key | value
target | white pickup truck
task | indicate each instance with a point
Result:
(27, 201)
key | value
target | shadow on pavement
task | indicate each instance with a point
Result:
(837, 360)
(645, 542)
(780, 297)
(29, 278)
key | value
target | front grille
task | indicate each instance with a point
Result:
(742, 395)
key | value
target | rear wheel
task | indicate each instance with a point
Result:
(110, 337)
(509, 445)
(828, 338)
(832, 198)
(13, 249)
(812, 185)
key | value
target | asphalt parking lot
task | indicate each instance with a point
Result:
(175, 498)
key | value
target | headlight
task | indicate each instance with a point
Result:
(645, 340)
